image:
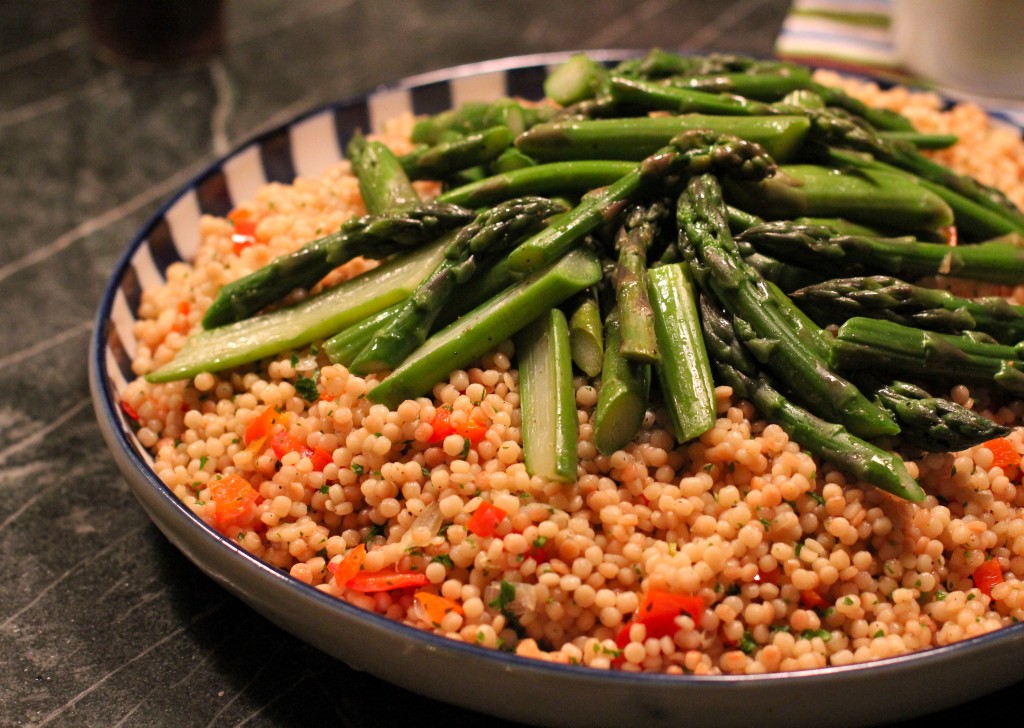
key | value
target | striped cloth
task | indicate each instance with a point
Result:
(854, 35)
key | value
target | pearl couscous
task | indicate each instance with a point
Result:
(783, 562)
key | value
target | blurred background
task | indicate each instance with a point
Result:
(102, 621)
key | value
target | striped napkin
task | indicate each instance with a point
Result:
(855, 36)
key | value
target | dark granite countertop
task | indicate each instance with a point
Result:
(102, 621)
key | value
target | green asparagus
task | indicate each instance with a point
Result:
(623, 397)
(547, 397)
(494, 230)
(689, 153)
(633, 138)
(933, 423)
(868, 196)
(483, 328)
(641, 226)
(586, 337)
(371, 236)
(819, 246)
(871, 345)
(766, 325)
(827, 440)
(885, 297)
(684, 372)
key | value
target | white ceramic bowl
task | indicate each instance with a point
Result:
(492, 682)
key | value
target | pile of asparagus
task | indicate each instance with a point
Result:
(662, 225)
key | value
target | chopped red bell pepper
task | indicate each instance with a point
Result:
(260, 428)
(987, 576)
(447, 422)
(658, 611)
(386, 580)
(485, 519)
(767, 577)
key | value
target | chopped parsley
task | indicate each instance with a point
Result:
(324, 489)
(445, 560)
(747, 644)
(307, 389)
(357, 468)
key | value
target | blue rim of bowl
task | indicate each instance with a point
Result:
(108, 411)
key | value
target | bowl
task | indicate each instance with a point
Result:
(492, 682)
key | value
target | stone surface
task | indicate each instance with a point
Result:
(102, 621)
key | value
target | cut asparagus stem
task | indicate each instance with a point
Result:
(310, 320)
(684, 372)
(343, 347)
(479, 331)
(550, 422)
(638, 232)
(383, 183)
(586, 337)
(622, 398)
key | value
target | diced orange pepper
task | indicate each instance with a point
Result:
(436, 607)
(386, 580)
(987, 576)
(233, 499)
(349, 566)
(470, 428)
(244, 234)
(260, 428)
(485, 519)
(1004, 454)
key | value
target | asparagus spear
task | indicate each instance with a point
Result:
(372, 236)
(654, 96)
(819, 246)
(383, 183)
(550, 421)
(556, 178)
(935, 424)
(474, 116)
(868, 196)
(586, 338)
(343, 347)
(445, 158)
(684, 372)
(762, 320)
(310, 320)
(622, 398)
(633, 138)
(826, 440)
(479, 331)
(973, 221)
(577, 79)
(758, 86)
(885, 297)
(688, 153)
(639, 229)
(493, 231)
(872, 345)
(836, 129)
